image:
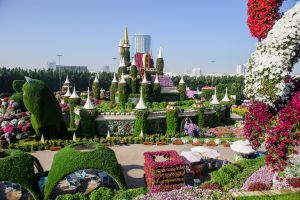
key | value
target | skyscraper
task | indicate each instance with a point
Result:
(240, 69)
(141, 43)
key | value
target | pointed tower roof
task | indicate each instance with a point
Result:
(145, 78)
(74, 94)
(181, 81)
(122, 62)
(141, 105)
(74, 137)
(156, 81)
(120, 43)
(142, 133)
(215, 100)
(115, 79)
(122, 79)
(159, 53)
(133, 62)
(96, 79)
(68, 93)
(67, 79)
(88, 104)
(226, 99)
(126, 38)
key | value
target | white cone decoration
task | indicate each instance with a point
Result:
(74, 94)
(156, 81)
(226, 99)
(122, 79)
(88, 104)
(133, 62)
(96, 79)
(141, 105)
(68, 93)
(42, 139)
(108, 135)
(67, 79)
(115, 79)
(142, 134)
(145, 78)
(181, 81)
(160, 53)
(74, 137)
(215, 100)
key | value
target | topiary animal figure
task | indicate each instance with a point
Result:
(46, 116)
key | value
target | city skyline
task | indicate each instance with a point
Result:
(88, 33)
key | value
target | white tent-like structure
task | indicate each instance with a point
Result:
(156, 81)
(141, 105)
(226, 98)
(206, 152)
(191, 156)
(96, 80)
(181, 81)
(145, 78)
(88, 104)
(115, 79)
(122, 79)
(68, 93)
(242, 146)
(215, 100)
(74, 94)
(74, 137)
(67, 81)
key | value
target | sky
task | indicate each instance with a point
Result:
(192, 33)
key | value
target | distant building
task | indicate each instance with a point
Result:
(141, 43)
(106, 68)
(240, 69)
(196, 72)
(51, 65)
(72, 68)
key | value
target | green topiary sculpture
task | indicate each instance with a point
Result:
(46, 116)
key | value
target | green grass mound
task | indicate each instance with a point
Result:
(81, 156)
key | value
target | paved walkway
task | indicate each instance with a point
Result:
(132, 160)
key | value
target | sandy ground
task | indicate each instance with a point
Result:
(132, 160)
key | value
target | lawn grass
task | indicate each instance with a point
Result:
(288, 196)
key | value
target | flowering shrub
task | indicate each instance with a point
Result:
(165, 175)
(193, 130)
(210, 186)
(186, 192)
(259, 180)
(240, 110)
(256, 123)
(294, 182)
(262, 15)
(273, 60)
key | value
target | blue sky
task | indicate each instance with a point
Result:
(191, 32)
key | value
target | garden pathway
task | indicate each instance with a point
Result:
(132, 160)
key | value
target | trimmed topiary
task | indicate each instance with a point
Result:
(140, 122)
(17, 167)
(17, 85)
(130, 193)
(225, 174)
(172, 121)
(113, 90)
(122, 94)
(160, 66)
(102, 193)
(182, 90)
(96, 90)
(18, 95)
(81, 156)
(201, 117)
(156, 91)
(77, 196)
(46, 115)
(87, 124)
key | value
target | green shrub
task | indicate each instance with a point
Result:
(102, 193)
(17, 85)
(140, 122)
(225, 174)
(77, 196)
(182, 90)
(96, 90)
(172, 121)
(113, 89)
(160, 65)
(130, 193)
(201, 117)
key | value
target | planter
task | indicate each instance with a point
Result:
(177, 142)
(55, 148)
(161, 143)
(211, 143)
(226, 145)
(197, 144)
(148, 143)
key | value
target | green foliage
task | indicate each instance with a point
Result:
(201, 117)
(146, 91)
(102, 193)
(160, 66)
(133, 85)
(122, 94)
(156, 91)
(133, 71)
(285, 196)
(182, 90)
(130, 193)
(121, 70)
(172, 121)
(207, 94)
(77, 196)
(126, 55)
(17, 167)
(18, 97)
(46, 116)
(225, 174)
(69, 160)
(72, 103)
(113, 90)
(87, 125)
(140, 122)
(96, 90)
(17, 85)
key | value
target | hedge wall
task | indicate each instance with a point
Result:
(140, 122)
(87, 124)
(69, 160)
(160, 66)
(172, 121)
(17, 167)
(201, 117)
(46, 115)
(96, 90)
(122, 89)
(113, 90)
(182, 89)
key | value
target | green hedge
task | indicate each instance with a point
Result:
(113, 89)
(46, 115)
(77, 196)
(17, 167)
(201, 117)
(130, 193)
(172, 121)
(146, 91)
(102, 193)
(96, 90)
(140, 122)
(122, 94)
(87, 124)
(17, 85)
(182, 90)
(225, 174)
(160, 65)
(69, 160)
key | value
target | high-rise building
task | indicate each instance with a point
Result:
(51, 65)
(240, 69)
(141, 43)
(106, 68)
(196, 72)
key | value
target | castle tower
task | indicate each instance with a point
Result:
(160, 62)
(126, 47)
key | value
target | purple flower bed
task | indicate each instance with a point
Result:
(263, 176)
(186, 193)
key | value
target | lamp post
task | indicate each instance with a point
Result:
(59, 72)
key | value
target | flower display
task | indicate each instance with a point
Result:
(262, 15)
(192, 130)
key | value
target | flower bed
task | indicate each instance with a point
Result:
(164, 175)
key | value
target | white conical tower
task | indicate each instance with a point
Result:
(142, 133)
(74, 94)
(115, 79)
(88, 104)
(42, 139)
(96, 80)
(133, 62)
(181, 81)
(68, 93)
(145, 78)
(141, 105)
(156, 81)
(108, 134)
(226, 99)
(67, 81)
(74, 137)
(122, 79)
(122, 62)
(215, 100)
(159, 53)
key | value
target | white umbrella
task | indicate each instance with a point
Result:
(206, 152)
(200, 149)
(241, 142)
(191, 156)
(245, 149)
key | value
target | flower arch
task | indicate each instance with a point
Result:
(273, 60)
